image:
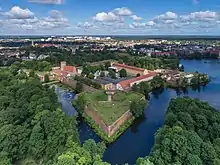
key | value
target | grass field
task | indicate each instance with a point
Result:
(110, 111)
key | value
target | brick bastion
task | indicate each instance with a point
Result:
(108, 129)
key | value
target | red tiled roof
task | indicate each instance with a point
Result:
(59, 73)
(71, 69)
(126, 83)
(128, 67)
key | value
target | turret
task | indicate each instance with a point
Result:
(62, 65)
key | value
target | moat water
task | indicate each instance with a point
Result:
(138, 140)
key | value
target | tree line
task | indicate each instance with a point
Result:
(33, 128)
(198, 55)
(189, 136)
(84, 56)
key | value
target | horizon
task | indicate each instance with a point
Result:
(116, 17)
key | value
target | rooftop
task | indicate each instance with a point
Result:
(69, 69)
(108, 80)
(128, 67)
(126, 83)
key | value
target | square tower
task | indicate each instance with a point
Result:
(62, 65)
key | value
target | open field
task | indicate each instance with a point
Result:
(111, 111)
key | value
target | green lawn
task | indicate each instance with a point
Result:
(111, 111)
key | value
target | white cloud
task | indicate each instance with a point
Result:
(150, 23)
(57, 2)
(135, 18)
(18, 13)
(85, 25)
(27, 27)
(19, 20)
(137, 25)
(1, 23)
(110, 16)
(167, 16)
(123, 11)
(49, 22)
(141, 25)
(55, 14)
(108, 23)
(169, 21)
(131, 26)
(200, 16)
(24, 20)
(54, 20)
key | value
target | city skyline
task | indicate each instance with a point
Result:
(116, 17)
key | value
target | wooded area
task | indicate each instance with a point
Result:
(190, 135)
(34, 130)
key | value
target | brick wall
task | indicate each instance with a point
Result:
(72, 84)
(97, 119)
(111, 129)
(116, 125)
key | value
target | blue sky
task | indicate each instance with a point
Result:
(109, 17)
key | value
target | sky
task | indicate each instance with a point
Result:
(109, 17)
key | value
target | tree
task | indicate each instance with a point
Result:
(208, 153)
(123, 73)
(91, 76)
(138, 75)
(31, 73)
(137, 108)
(189, 135)
(195, 81)
(157, 82)
(31, 122)
(216, 145)
(22, 75)
(143, 161)
(46, 78)
(4, 160)
(102, 74)
(93, 148)
(112, 74)
(193, 160)
(79, 87)
(107, 65)
(37, 143)
(14, 68)
(194, 142)
(181, 68)
(89, 153)
(14, 140)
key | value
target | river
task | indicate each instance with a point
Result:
(138, 140)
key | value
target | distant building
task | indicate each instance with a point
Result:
(189, 77)
(64, 71)
(127, 84)
(62, 65)
(70, 69)
(163, 54)
(130, 69)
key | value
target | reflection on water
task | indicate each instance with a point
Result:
(65, 99)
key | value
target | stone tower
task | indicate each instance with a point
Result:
(110, 94)
(62, 64)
